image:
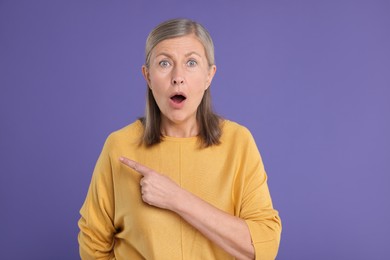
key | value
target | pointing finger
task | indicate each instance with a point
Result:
(135, 166)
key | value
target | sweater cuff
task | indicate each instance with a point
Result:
(265, 241)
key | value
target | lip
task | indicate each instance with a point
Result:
(175, 104)
(178, 94)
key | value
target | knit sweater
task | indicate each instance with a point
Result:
(116, 224)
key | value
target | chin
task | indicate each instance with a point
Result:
(179, 119)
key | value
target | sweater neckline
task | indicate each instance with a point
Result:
(180, 139)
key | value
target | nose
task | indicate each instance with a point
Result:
(177, 81)
(177, 76)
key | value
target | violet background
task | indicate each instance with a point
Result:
(310, 79)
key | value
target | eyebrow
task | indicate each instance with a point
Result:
(186, 55)
(193, 52)
(163, 54)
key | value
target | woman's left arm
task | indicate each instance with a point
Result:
(229, 232)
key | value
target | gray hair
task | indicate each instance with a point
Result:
(177, 28)
(209, 122)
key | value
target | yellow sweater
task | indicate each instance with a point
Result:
(116, 224)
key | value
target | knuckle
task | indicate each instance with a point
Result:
(135, 166)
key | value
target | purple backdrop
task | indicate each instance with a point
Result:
(310, 79)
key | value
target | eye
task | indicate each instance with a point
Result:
(192, 63)
(164, 64)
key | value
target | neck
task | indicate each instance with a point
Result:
(181, 130)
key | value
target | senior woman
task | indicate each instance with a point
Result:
(180, 183)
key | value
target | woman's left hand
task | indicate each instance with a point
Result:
(156, 189)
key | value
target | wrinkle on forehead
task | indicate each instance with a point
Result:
(186, 45)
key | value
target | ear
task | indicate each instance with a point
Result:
(145, 73)
(210, 76)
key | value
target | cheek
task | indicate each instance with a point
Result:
(158, 79)
(201, 84)
(158, 94)
(199, 91)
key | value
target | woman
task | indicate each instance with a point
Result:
(180, 183)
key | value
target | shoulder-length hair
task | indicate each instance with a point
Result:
(208, 122)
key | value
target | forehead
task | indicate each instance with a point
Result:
(180, 45)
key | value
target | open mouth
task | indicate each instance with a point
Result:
(178, 98)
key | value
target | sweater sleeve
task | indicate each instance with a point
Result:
(96, 236)
(256, 205)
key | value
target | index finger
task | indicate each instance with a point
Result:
(141, 169)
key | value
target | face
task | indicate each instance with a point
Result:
(178, 76)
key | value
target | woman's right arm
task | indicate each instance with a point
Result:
(96, 236)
